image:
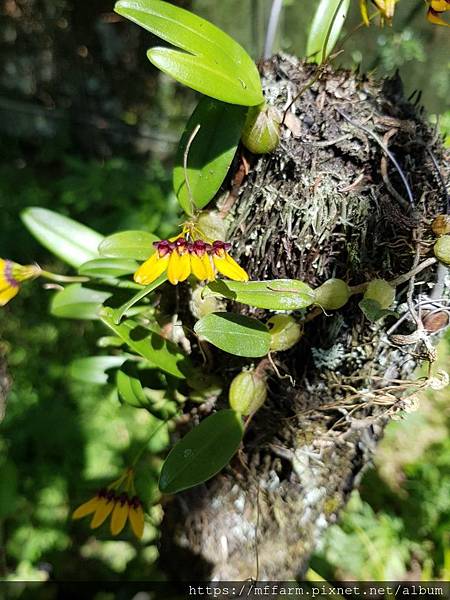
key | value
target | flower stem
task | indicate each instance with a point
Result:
(63, 278)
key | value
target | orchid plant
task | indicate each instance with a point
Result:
(141, 266)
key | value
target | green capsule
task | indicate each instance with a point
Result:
(381, 291)
(332, 294)
(248, 392)
(261, 133)
(442, 249)
(285, 332)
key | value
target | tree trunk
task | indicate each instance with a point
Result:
(328, 202)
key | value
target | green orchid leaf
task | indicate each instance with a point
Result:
(208, 60)
(67, 239)
(326, 28)
(211, 151)
(234, 333)
(202, 453)
(120, 312)
(137, 245)
(158, 402)
(93, 369)
(130, 389)
(372, 310)
(108, 267)
(148, 343)
(276, 294)
(77, 302)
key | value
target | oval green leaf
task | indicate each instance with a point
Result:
(149, 344)
(77, 302)
(137, 245)
(108, 267)
(67, 239)
(130, 389)
(236, 334)
(93, 369)
(211, 62)
(204, 76)
(211, 151)
(276, 294)
(326, 28)
(202, 453)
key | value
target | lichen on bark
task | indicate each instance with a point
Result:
(327, 203)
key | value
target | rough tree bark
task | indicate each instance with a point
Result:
(327, 203)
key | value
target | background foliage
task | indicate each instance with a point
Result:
(88, 128)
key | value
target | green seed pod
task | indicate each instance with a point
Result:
(200, 306)
(442, 249)
(285, 332)
(332, 294)
(381, 291)
(248, 392)
(441, 225)
(261, 133)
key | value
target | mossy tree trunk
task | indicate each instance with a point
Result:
(328, 203)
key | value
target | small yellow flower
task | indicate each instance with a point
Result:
(121, 506)
(435, 9)
(181, 257)
(11, 276)
(386, 8)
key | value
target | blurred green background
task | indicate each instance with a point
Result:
(89, 128)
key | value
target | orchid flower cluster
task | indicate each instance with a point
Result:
(386, 9)
(189, 253)
(120, 505)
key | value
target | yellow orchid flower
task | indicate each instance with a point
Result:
(11, 276)
(386, 8)
(435, 9)
(181, 257)
(121, 506)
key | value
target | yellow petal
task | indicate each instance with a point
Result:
(210, 273)
(87, 508)
(229, 267)
(179, 267)
(7, 293)
(386, 7)
(137, 521)
(198, 267)
(103, 511)
(363, 9)
(434, 18)
(119, 516)
(151, 269)
(440, 5)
